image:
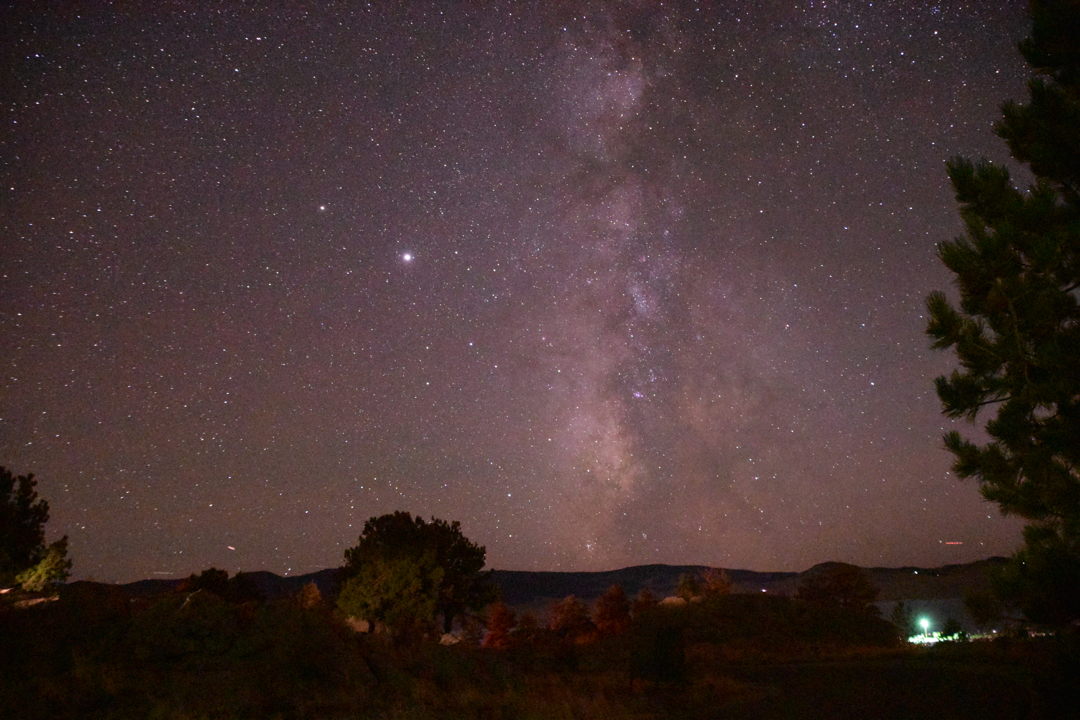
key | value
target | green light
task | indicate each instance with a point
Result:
(925, 625)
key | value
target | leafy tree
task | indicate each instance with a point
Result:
(431, 560)
(714, 581)
(841, 584)
(310, 597)
(708, 582)
(528, 628)
(688, 587)
(612, 614)
(22, 531)
(569, 618)
(399, 591)
(238, 589)
(500, 624)
(644, 602)
(210, 579)
(1016, 332)
(52, 569)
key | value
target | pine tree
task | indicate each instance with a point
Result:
(53, 569)
(904, 620)
(1016, 332)
(23, 517)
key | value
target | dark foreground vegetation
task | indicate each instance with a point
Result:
(96, 652)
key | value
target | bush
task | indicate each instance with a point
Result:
(500, 625)
(569, 619)
(613, 612)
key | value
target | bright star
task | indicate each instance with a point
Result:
(407, 257)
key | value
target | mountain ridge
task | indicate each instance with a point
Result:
(528, 589)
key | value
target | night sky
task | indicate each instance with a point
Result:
(610, 283)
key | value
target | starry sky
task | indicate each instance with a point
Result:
(610, 283)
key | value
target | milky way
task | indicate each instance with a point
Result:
(611, 284)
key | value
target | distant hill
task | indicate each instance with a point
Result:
(940, 583)
(270, 585)
(932, 592)
(536, 590)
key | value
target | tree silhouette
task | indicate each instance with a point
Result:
(983, 606)
(644, 602)
(569, 619)
(402, 565)
(1016, 332)
(211, 579)
(22, 535)
(689, 586)
(500, 624)
(53, 568)
(904, 620)
(841, 584)
(238, 589)
(310, 597)
(612, 613)
(1043, 577)
(714, 581)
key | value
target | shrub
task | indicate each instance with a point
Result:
(613, 611)
(500, 625)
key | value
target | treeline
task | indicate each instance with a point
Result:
(376, 647)
(214, 648)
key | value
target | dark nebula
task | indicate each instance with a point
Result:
(610, 283)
